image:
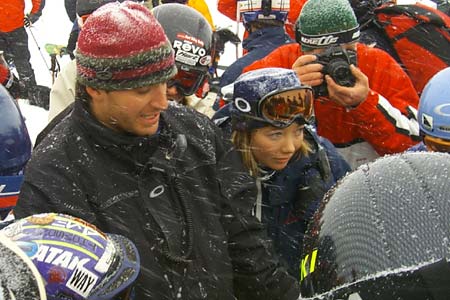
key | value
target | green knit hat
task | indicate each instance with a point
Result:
(322, 23)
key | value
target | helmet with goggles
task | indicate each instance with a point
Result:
(434, 112)
(260, 10)
(270, 96)
(191, 38)
(75, 259)
(381, 233)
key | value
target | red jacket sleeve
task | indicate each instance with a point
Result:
(36, 6)
(282, 57)
(382, 119)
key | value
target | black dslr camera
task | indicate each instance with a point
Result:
(336, 62)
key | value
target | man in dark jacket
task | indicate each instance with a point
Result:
(161, 175)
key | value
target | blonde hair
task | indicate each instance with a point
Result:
(242, 141)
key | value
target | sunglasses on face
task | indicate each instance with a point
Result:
(187, 82)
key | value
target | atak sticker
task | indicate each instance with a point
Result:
(82, 281)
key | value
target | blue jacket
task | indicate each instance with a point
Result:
(291, 196)
(258, 44)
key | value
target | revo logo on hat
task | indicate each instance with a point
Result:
(189, 47)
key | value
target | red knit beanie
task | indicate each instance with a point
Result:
(122, 46)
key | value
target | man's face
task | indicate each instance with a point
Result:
(134, 111)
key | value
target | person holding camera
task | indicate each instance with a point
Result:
(365, 102)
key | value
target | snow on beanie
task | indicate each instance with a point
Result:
(122, 46)
(322, 23)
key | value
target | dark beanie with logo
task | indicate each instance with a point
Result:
(122, 46)
(323, 23)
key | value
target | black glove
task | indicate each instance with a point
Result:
(222, 36)
(66, 51)
(30, 19)
(225, 35)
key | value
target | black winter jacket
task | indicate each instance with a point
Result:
(180, 195)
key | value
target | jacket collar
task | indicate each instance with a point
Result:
(108, 137)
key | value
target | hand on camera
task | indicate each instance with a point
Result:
(308, 72)
(349, 96)
(312, 73)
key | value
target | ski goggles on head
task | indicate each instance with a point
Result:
(281, 109)
(436, 144)
(187, 82)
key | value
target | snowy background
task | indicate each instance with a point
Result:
(54, 27)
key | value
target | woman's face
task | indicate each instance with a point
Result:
(273, 147)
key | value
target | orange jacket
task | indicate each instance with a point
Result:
(228, 8)
(202, 7)
(375, 121)
(12, 13)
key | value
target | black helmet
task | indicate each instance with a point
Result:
(87, 7)
(383, 233)
(191, 38)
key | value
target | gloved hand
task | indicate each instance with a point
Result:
(66, 51)
(30, 19)
(221, 36)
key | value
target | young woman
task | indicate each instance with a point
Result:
(294, 167)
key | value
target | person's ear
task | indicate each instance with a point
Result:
(95, 94)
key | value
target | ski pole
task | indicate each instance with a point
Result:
(39, 48)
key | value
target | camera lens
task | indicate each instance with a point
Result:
(339, 70)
